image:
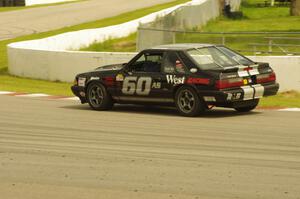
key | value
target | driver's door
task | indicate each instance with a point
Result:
(142, 78)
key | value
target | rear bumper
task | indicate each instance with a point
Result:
(79, 92)
(239, 97)
(271, 89)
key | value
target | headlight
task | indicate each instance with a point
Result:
(81, 81)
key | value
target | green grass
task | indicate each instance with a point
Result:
(11, 83)
(284, 99)
(125, 44)
(16, 84)
(7, 9)
(256, 19)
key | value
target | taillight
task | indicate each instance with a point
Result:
(270, 77)
(229, 83)
(248, 68)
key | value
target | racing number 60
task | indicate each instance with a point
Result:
(141, 86)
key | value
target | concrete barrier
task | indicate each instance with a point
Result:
(78, 39)
(184, 18)
(49, 58)
(287, 69)
(60, 65)
(64, 65)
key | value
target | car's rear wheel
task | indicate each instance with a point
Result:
(98, 97)
(249, 108)
(188, 102)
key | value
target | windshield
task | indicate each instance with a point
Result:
(235, 56)
(211, 57)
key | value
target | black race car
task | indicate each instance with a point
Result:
(192, 77)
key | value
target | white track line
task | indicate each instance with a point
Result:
(34, 95)
(6, 92)
(290, 109)
(71, 98)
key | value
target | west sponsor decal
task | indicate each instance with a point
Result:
(193, 80)
(173, 79)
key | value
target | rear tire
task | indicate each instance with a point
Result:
(98, 97)
(248, 108)
(188, 103)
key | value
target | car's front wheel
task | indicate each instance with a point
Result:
(188, 102)
(249, 108)
(98, 97)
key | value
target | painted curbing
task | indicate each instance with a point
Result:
(38, 95)
(55, 97)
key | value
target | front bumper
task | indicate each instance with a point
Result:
(239, 97)
(79, 91)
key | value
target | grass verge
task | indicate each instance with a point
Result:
(284, 99)
(125, 44)
(11, 83)
(16, 84)
(256, 19)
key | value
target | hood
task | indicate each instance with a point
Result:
(113, 67)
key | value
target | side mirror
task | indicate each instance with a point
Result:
(193, 70)
(127, 71)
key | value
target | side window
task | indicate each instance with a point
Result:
(148, 62)
(173, 63)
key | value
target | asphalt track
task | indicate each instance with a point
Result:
(41, 19)
(62, 149)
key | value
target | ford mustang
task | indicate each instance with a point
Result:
(191, 77)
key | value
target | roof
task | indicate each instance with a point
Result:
(181, 46)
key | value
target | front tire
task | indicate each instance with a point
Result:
(188, 103)
(248, 108)
(98, 97)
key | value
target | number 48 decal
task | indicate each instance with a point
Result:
(140, 86)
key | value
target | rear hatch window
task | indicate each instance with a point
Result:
(236, 56)
(211, 58)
